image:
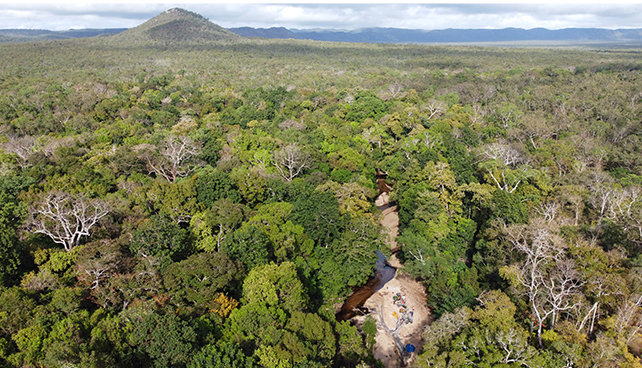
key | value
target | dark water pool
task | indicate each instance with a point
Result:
(383, 273)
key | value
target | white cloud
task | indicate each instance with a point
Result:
(331, 14)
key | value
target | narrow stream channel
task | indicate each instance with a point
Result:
(383, 271)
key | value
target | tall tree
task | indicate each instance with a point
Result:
(65, 217)
(290, 161)
(174, 159)
(546, 276)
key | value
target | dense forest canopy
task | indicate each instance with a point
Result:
(189, 201)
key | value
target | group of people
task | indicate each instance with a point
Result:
(400, 300)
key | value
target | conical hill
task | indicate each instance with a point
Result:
(176, 26)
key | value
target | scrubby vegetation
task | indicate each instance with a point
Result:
(209, 203)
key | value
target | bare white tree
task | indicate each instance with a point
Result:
(25, 146)
(507, 166)
(546, 276)
(52, 144)
(628, 318)
(602, 286)
(395, 89)
(508, 184)
(175, 159)
(601, 192)
(623, 201)
(409, 147)
(66, 218)
(504, 153)
(434, 108)
(291, 123)
(98, 264)
(535, 127)
(508, 114)
(419, 257)
(392, 332)
(290, 161)
(548, 210)
(430, 139)
(448, 324)
(563, 282)
(22, 147)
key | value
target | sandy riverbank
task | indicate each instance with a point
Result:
(383, 299)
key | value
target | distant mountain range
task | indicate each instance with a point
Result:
(178, 25)
(399, 35)
(26, 35)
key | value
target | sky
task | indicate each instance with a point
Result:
(64, 15)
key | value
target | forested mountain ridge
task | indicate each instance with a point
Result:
(211, 203)
(399, 35)
(579, 36)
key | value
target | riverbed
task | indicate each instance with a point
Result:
(383, 273)
(382, 300)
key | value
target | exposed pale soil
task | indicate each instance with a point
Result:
(382, 300)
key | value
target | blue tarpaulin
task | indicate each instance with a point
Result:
(410, 348)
